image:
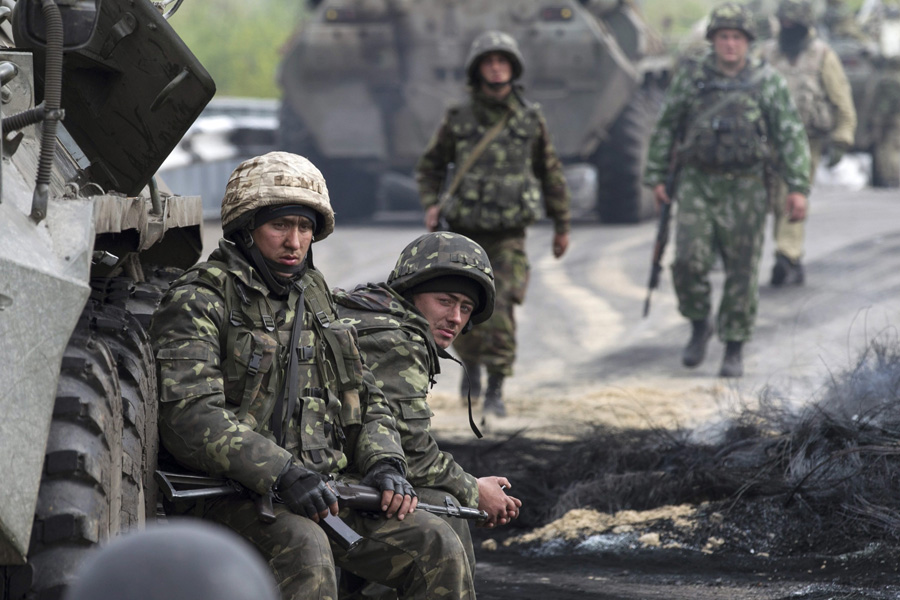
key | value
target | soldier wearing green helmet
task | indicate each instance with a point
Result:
(505, 168)
(441, 285)
(722, 118)
(262, 385)
(821, 91)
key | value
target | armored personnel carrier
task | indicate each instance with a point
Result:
(366, 82)
(94, 96)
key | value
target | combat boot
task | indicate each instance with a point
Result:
(786, 271)
(733, 362)
(471, 383)
(493, 396)
(695, 350)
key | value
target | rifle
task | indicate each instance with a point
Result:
(662, 232)
(186, 486)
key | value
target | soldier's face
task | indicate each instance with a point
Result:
(731, 47)
(495, 68)
(284, 240)
(446, 312)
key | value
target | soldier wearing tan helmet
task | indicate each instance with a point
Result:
(820, 89)
(722, 117)
(261, 384)
(505, 168)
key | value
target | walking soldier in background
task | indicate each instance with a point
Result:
(820, 89)
(723, 114)
(504, 164)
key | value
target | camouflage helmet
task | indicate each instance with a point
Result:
(730, 15)
(798, 11)
(444, 253)
(275, 179)
(493, 41)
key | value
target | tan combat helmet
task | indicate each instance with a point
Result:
(275, 179)
(493, 41)
(442, 254)
(798, 11)
(731, 15)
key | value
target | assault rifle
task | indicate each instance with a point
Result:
(662, 232)
(188, 486)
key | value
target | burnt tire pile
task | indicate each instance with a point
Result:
(102, 448)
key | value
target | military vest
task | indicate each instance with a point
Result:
(254, 342)
(804, 80)
(499, 192)
(726, 128)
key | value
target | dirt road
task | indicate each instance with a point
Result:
(586, 356)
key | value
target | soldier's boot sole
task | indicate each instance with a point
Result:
(695, 351)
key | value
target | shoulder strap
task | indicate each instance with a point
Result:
(486, 139)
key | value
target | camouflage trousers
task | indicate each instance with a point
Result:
(420, 556)
(493, 343)
(790, 235)
(720, 214)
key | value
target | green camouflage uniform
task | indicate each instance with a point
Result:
(721, 191)
(881, 127)
(397, 346)
(494, 203)
(221, 341)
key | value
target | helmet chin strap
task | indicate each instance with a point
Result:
(496, 85)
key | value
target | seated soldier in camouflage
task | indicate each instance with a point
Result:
(441, 286)
(262, 385)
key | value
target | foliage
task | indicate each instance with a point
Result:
(239, 41)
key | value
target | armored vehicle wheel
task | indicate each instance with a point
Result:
(620, 161)
(80, 495)
(886, 164)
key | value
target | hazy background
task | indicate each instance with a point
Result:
(240, 41)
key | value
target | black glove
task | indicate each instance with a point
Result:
(304, 491)
(387, 475)
(835, 153)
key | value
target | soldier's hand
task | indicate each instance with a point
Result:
(560, 244)
(493, 499)
(397, 495)
(659, 193)
(304, 492)
(835, 153)
(796, 206)
(432, 217)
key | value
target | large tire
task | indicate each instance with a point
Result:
(79, 501)
(620, 161)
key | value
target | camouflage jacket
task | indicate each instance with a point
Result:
(819, 87)
(221, 340)
(524, 144)
(396, 343)
(776, 111)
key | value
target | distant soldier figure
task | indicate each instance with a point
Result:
(504, 164)
(722, 116)
(820, 89)
(441, 286)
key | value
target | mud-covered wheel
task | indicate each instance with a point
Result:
(620, 161)
(79, 501)
(886, 163)
(128, 341)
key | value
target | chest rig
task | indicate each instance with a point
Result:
(291, 369)
(726, 126)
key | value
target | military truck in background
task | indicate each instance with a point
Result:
(94, 97)
(365, 84)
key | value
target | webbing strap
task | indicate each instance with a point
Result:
(280, 417)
